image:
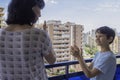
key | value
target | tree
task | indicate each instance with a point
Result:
(90, 50)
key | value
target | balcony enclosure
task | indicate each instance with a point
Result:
(77, 75)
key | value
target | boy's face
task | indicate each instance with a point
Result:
(101, 39)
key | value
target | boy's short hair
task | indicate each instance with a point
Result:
(20, 11)
(109, 32)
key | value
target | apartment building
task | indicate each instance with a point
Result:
(115, 46)
(1, 16)
(63, 35)
(118, 38)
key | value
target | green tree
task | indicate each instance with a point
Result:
(71, 70)
(90, 50)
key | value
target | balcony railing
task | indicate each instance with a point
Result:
(76, 75)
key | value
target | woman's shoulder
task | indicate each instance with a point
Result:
(39, 30)
(1, 30)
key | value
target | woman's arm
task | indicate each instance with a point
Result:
(51, 58)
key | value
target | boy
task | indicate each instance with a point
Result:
(103, 65)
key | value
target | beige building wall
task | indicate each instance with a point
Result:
(50, 30)
(60, 36)
(118, 44)
(77, 33)
(115, 45)
(1, 16)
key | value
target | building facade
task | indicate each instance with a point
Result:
(1, 16)
(64, 35)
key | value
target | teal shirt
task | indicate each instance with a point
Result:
(106, 63)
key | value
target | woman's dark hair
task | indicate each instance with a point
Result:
(20, 11)
(109, 32)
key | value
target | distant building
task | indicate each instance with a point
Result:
(118, 44)
(89, 38)
(1, 16)
(115, 45)
(63, 35)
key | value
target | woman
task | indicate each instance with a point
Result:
(23, 47)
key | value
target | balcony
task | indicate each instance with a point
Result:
(77, 75)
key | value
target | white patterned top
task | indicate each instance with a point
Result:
(21, 54)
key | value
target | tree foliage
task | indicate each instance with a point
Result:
(90, 50)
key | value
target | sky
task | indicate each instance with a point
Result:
(89, 13)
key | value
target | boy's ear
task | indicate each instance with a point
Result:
(110, 39)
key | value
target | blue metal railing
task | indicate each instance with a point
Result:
(68, 75)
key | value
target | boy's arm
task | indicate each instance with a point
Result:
(88, 70)
(90, 66)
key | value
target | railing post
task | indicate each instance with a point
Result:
(67, 72)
